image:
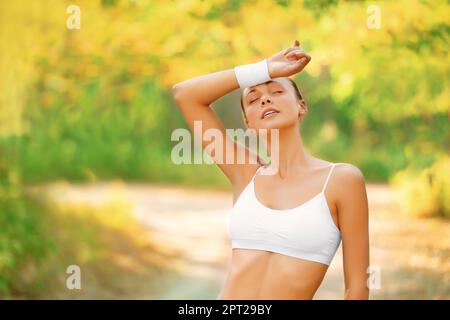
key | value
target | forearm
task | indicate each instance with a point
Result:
(207, 88)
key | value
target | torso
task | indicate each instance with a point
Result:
(259, 274)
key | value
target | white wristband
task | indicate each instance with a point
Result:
(252, 74)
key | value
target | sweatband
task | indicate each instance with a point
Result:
(252, 74)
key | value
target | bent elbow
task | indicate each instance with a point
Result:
(176, 92)
(180, 93)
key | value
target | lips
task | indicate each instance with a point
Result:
(269, 112)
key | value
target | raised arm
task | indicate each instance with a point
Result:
(194, 97)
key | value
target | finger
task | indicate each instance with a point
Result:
(304, 60)
(288, 50)
(296, 53)
(295, 47)
(295, 50)
(301, 61)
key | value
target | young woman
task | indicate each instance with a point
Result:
(286, 227)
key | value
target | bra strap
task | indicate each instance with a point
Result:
(328, 177)
(257, 171)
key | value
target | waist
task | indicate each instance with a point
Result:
(268, 275)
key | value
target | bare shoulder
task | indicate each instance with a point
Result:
(349, 182)
(349, 173)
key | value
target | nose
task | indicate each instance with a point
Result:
(266, 100)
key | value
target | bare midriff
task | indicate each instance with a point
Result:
(257, 274)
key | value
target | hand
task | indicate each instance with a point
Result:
(288, 62)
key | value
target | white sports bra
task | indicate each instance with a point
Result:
(305, 232)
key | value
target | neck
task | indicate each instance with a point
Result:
(291, 151)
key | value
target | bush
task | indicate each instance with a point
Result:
(425, 193)
(23, 236)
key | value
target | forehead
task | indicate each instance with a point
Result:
(281, 81)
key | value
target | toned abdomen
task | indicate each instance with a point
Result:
(256, 274)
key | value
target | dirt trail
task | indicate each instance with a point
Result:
(412, 255)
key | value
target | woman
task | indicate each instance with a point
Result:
(285, 227)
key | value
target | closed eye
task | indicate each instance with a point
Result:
(278, 91)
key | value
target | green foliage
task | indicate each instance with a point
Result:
(95, 102)
(320, 6)
(425, 193)
(24, 237)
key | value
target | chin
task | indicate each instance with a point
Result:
(276, 124)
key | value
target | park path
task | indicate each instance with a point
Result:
(411, 256)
